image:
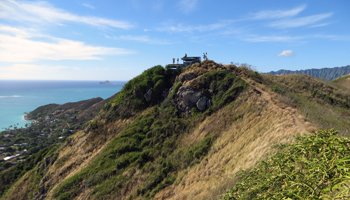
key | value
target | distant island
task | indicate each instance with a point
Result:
(105, 82)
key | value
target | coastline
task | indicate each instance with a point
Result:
(27, 119)
(20, 124)
(22, 97)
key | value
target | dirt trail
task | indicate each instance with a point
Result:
(249, 130)
(271, 97)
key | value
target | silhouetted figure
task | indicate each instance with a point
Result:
(178, 60)
(173, 60)
(185, 55)
(205, 56)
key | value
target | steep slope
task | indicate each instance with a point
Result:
(182, 135)
(324, 73)
(245, 133)
(150, 154)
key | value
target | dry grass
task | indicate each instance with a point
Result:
(246, 132)
(343, 82)
(78, 152)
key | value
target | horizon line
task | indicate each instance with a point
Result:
(63, 80)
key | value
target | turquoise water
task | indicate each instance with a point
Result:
(19, 97)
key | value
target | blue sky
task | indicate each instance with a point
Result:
(117, 39)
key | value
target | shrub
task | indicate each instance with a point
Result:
(131, 98)
(314, 167)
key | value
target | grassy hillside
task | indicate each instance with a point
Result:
(183, 134)
(343, 82)
(320, 102)
(147, 155)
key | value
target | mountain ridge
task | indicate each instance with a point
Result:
(322, 73)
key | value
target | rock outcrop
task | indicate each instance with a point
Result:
(188, 98)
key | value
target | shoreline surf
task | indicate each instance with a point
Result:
(20, 97)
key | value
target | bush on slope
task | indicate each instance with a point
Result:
(314, 167)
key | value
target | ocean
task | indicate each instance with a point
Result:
(19, 97)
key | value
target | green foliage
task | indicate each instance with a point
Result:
(314, 167)
(143, 145)
(247, 71)
(36, 165)
(190, 155)
(12, 174)
(278, 89)
(150, 145)
(223, 86)
(131, 98)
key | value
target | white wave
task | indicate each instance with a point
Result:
(11, 96)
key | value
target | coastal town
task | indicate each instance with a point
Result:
(51, 124)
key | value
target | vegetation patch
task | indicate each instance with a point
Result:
(314, 167)
(147, 155)
(222, 85)
(33, 167)
(147, 89)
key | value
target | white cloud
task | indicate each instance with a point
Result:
(61, 72)
(275, 14)
(87, 5)
(42, 12)
(286, 53)
(181, 28)
(188, 6)
(32, 71)
(288, 38)
(271, 38)
(311, 20)
(13, 30)
(19, 46)
(332, 37)
(139, 38)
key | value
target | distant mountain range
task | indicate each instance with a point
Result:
(324, 73)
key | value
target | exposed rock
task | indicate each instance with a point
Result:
(187, 76)
(148, 95)
(203, 103)
(190, 97)
(187, 98)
